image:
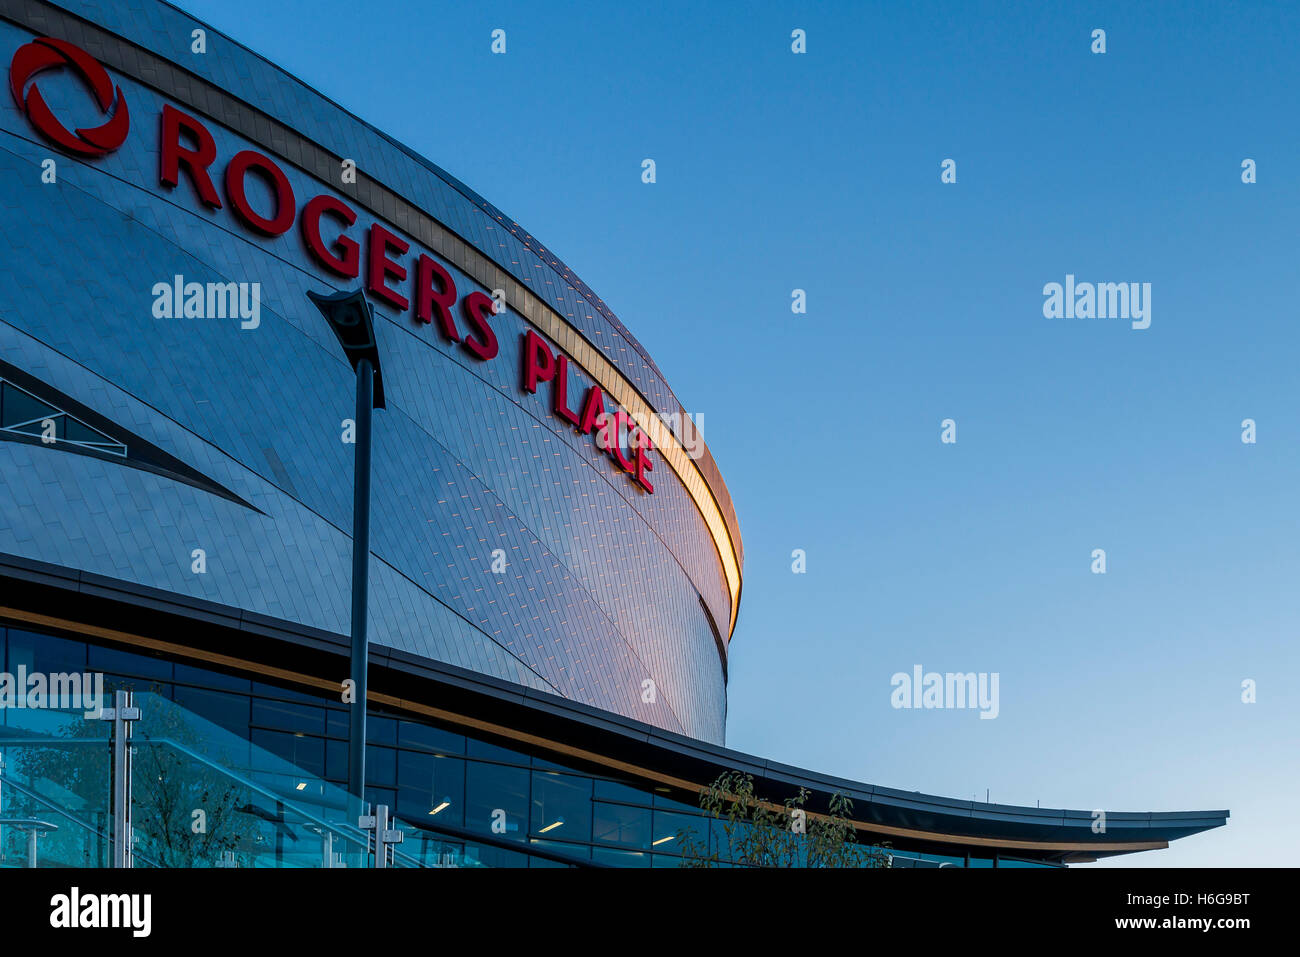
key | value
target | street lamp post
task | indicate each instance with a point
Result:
(360, 580)
(352, 319)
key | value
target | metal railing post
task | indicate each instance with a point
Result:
(385, 836)
(122, 714)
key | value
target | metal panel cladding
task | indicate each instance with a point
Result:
(155, 271)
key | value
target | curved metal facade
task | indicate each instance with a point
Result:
(605, 587)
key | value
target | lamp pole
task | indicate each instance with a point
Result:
(352, 319)
(360, 583)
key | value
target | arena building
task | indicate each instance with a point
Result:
(555, 561)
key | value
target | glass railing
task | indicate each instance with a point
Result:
(36, 831)
(201, 797)
(54, 788)
(204, 797)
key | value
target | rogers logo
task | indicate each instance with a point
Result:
(47, 53)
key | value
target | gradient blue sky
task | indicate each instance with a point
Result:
(821, 171)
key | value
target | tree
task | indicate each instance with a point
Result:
(758, 833)
(188, 813)
(168, 787)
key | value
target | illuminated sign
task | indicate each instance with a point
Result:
(421, 286)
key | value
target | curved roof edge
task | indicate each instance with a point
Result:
(576, 733)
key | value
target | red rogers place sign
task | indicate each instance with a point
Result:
(421, 287)
(48, 54)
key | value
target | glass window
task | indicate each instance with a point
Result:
(612, 858)
(424, 737)
(44, 653)
(384, 796)
(304, 753)
(338, 722)
(613, 791)
(431, 789)
(496, 800)
(286, 716)
(542, 764)
(230, 711)
(719, 843)
(668, 826)
(77, 431)
(679, 801)
(483, 855)
(336, 760)
(23, 413)
(381, 766)
(211, 678)
(1021, 862)
(581, 852)
(562, 806)
(114, 683)
(621, 825)
(381, 730)
(284, 694)
(491, 752)
(433, 850)
(129, 663)
(938, 859)
(21, 406)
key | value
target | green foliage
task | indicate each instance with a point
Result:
(752, 832)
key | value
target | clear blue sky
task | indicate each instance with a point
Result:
(821, 171)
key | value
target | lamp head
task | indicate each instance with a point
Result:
(352, 318)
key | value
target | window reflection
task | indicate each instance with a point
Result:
(621, 825)
(561, 806)
(431, 789)
(496, 800)
(668, 826)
